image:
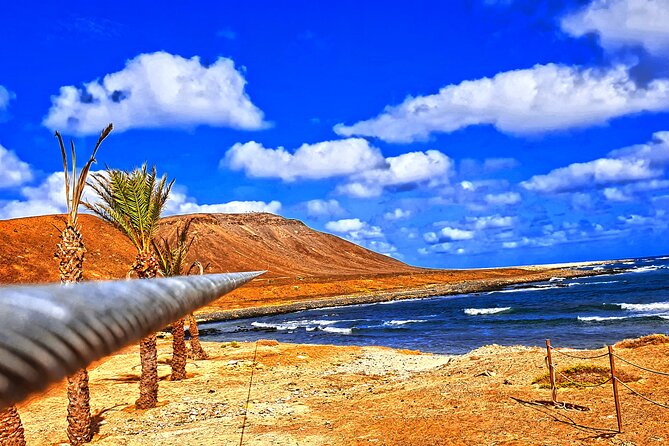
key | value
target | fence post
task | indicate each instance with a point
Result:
(551, 371)
(614, 381)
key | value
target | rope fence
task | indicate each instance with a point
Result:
(614, 379)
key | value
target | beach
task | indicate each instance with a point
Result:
(326, 395)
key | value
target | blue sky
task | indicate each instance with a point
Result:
(446, 134)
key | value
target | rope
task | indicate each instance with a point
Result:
(642, 396)
(579, 357)
(248, 395)
(51, 331)
(642, 368)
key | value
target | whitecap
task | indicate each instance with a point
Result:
(655, 306)
(403, 322)
(338, 330)
(481, 311)
(600, 318)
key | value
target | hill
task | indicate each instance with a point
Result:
(227, 242)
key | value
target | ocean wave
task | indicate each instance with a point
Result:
(655, 306)
(531, 288)
(292, 325)
(556, 279)
(403, 322)
(483, 311)
(601, 318)
(338, 330)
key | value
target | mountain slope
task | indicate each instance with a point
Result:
(228, 242)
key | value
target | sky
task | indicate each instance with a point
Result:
(470, 133)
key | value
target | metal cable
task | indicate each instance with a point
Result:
(640, 367)
(48, 332)
(579, 357)
(642, 396)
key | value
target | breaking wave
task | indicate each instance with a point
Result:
(480, 311)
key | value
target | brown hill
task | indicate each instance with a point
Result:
(228, 242)
(281, 246)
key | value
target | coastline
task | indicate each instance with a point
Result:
(532, 274)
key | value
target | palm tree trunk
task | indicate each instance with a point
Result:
(78, 409)
(146, 266)
(70, 255)
(178, 351)
(11, 429)
(197, 352)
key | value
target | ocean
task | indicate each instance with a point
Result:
(630, 299)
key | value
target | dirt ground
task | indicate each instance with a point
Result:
(326, 395)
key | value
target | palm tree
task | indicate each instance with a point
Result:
(196, 350)
(171, 258)
(70, 255)
(133, 202)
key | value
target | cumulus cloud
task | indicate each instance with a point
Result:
(628, 165)
(157, 90)
(403, 172)
(503, 199)
(397, 214)
(323, 208)
(13, 171)
(624, 23)
(310, 161)
(492, 221)
(540, 99)
(5, 97)
(180, 203)
(448, 234)
(345, 225)
(363, 234)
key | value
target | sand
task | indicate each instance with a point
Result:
(326, 395)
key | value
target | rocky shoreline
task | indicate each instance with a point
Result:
(421, 292)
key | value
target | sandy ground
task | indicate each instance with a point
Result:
(326, 395)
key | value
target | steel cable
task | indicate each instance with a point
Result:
(578, 357)
(640, 367)
(48, 332)
(642, 396)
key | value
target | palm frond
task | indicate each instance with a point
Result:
(172, 257)
(131, 201)
(74, 184)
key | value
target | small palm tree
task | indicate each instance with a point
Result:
(133, 202)
(196, 350)
(70, 255)
(171, 258)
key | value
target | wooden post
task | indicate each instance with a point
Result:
(614, 381)
(551, 371)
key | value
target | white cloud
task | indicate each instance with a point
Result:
(492, 221)
(320, 208)
(13, 171)
(632, 164)
(431, 237)
(454, 234)
(310, 161)
(345, 225)
(406, 171)
(5, 97)
(180, 203)
(543, 98)
(157, 90)
(397, 214)
(624, 22)
(615, 194)
(46, 198)
(355, 229)
(503, 199)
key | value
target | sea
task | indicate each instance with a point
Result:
(630, 298)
